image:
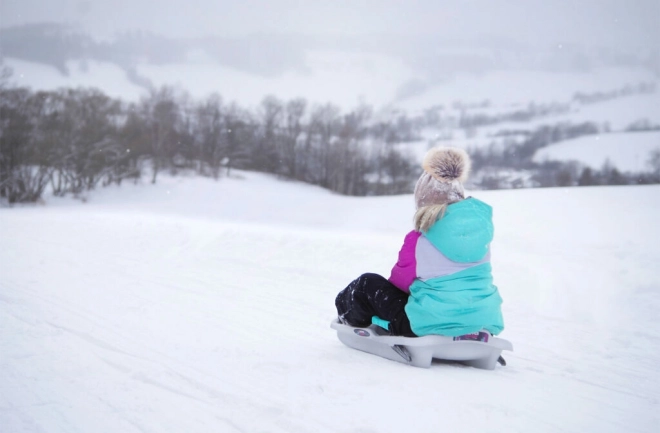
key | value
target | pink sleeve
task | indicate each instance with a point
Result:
(405, 270)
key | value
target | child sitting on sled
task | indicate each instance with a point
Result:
(442, 282)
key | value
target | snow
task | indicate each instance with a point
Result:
(108, 77)
(195, 305)
(506, 88)
(618, 114)
(629, 151)
(346, 79)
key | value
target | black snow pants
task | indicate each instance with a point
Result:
(373, 295)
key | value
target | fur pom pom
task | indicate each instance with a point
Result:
(447, 164)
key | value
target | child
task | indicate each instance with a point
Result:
(442, 282)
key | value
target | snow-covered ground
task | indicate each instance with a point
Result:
(105, 76)
(618, 114)
(342, 78)
(509, 88)
(201, 306)
(349, 78)
(627, 151)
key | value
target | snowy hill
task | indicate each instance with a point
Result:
(391, 86)
(343, 78)
(198, 306)
(480, 94)
(511, 87)
(346, 79)
(105, 76)
(629, 151)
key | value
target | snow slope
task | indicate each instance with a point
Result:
(343, 78)
(200, 306)
(505, 88)
(618, 114)
(628, 151)
(107, 77)
(347, 78)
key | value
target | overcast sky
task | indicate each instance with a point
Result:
(614, 23)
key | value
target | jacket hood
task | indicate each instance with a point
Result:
(465, 232)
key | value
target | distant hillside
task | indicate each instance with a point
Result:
(57, 45)
(503, 105)
(629, 151)
(430, 63)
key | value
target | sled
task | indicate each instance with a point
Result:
(479, 350)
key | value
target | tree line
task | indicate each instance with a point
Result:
(495, 163)
(73, 140)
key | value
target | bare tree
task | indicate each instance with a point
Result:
(134, 136)
(78, 129)
(265, 156)
(210, 130)
(239, 138)
(293, 128)
(162, 113)
(322, 131)
(23, 169)
(348, 165)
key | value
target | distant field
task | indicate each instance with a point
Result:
(626, 151)
(345, 79)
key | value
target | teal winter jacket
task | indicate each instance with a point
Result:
(448, 274)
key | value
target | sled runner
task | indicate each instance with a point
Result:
(479, 350)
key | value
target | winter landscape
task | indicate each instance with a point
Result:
(185, 189)
(198, 306)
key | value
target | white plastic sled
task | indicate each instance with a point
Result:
(480, 350)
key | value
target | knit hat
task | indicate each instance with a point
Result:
(445, 170)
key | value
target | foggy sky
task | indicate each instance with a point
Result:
(611, 23)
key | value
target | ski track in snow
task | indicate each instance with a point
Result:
(128, 317)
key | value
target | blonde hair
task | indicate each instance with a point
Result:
(426, 216)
